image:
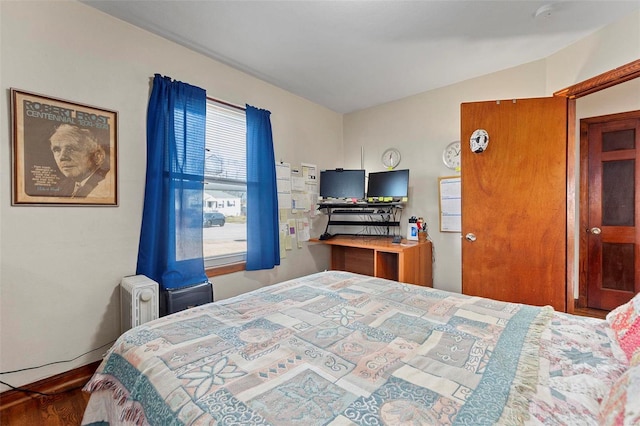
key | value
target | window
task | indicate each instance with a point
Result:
(225, 190)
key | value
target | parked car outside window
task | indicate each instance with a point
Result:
(212, 218)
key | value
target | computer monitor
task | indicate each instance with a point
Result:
(391, 185)
(341, 183)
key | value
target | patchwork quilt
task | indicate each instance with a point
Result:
(336, 348)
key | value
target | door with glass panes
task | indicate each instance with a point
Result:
(612, 231)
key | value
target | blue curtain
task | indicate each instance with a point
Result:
(170, 250)
(263, 242)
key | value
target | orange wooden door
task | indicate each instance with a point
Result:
(514, 201)
(613, 231)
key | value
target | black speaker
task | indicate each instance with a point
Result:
(178, 299)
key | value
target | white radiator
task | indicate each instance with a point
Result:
(138, 301)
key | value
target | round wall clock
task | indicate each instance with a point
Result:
(391, 158)
(451, 155)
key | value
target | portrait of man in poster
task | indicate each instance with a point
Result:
(82, 160)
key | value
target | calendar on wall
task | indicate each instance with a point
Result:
(450, 195)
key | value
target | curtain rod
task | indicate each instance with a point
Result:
(226, 103)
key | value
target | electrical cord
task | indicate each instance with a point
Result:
(57, 362)
(29, 391)
(25, 390)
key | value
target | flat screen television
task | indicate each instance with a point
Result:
(392, 184)
(341, 183)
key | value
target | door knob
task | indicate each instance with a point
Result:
(595, 230)
(470, 237)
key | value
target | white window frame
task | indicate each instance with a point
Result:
(230, 183)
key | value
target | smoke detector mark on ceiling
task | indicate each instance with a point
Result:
(544, 12)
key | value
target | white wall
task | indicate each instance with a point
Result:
(602, 51)
(60, 266)
(422, 125)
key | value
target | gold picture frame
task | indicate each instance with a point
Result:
(64, 153)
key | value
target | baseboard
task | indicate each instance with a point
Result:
(58, 383)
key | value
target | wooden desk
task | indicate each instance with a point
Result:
(407, 262)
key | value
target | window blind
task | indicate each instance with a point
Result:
(225, 144)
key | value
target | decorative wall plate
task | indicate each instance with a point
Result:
(479, 141)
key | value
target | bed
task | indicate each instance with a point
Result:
(337, 348)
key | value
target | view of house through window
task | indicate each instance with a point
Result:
(225, 191)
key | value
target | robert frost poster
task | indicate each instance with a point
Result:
(63, 152)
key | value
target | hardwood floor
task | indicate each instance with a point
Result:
(590, 312)
(64, 409)
(63, 405)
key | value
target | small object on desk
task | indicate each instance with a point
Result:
(412, 230)
(325, 236)
(397, 239)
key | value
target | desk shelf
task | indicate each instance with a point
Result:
(388, 212)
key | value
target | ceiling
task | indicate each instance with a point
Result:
(351, 55)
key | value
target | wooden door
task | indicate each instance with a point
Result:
(613, 232)
(514, 201)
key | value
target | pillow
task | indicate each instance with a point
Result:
(622, 406)
(625, 324)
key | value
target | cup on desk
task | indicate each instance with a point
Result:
(412, 231)
(422, 236)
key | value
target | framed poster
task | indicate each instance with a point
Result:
(64, 153)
